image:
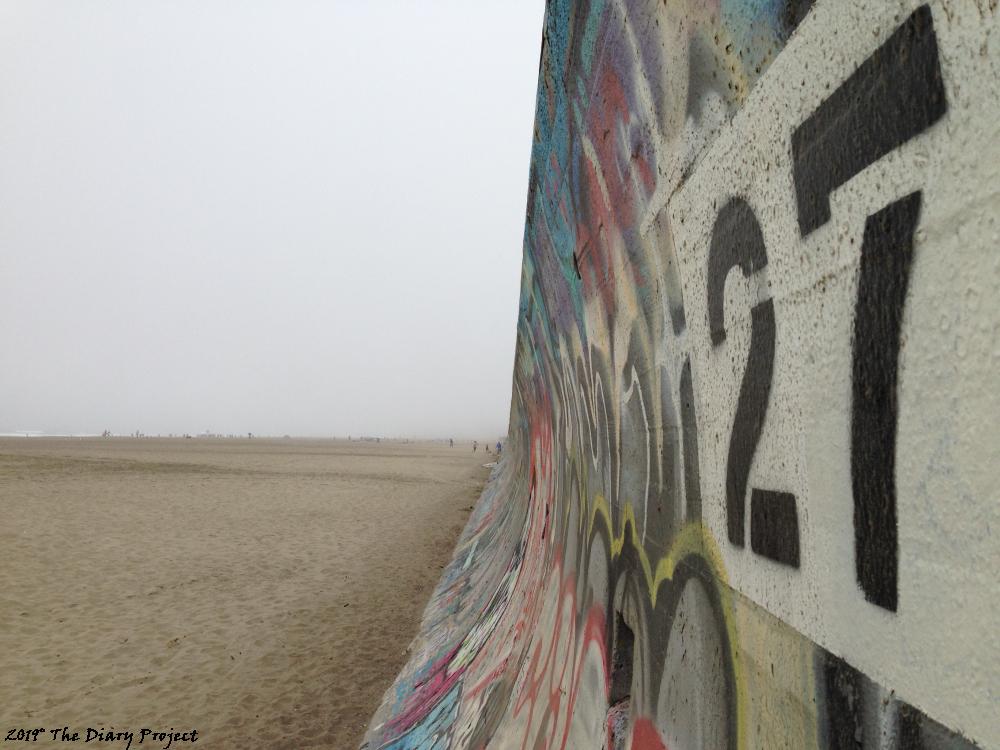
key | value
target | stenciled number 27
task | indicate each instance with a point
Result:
(894, 95)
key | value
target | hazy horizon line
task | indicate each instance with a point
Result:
(353, 437)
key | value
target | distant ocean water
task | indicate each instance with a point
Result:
(39, 433)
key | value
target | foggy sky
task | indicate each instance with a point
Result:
(271, 217)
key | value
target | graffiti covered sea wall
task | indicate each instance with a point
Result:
(749, 496)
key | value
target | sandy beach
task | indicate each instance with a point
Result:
(262, 592)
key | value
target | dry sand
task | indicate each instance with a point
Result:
(260, 591)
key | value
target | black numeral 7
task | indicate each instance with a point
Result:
(896, 94)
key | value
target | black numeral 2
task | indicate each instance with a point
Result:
(774, 532)
(896, 94)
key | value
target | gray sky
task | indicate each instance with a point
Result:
(272, 216)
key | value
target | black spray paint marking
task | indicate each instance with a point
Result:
(886, 260)
(689, 423)
(842, 688)
(774, 526)
(737, 241)
(751, 409)
(896, 94)
(622, 660)
(854, 711)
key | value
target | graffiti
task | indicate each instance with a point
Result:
(744, 502)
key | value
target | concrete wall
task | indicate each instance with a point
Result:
(749, 497)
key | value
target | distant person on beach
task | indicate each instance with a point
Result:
(451, 442)
(498, 447)
(475, 444)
